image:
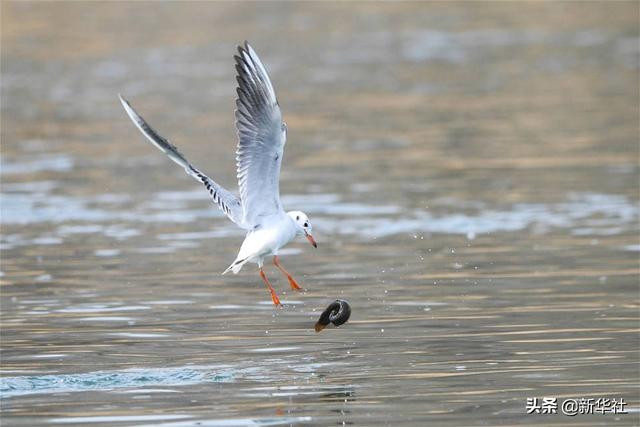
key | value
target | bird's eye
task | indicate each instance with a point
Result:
(298, 218)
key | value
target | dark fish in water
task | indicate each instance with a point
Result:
(337, 312)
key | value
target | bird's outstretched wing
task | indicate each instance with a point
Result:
(261, 138)
(226, 201)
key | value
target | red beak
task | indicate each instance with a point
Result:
(311, 240)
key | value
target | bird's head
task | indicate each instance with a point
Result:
(303, 225)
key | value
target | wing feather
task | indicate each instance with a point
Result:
(261, 138)
(226, 201)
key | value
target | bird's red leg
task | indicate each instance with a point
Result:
(292, 281)
(274, 297)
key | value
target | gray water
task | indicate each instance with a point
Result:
(470, 170)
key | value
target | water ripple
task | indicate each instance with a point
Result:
(583, 213)
(106, 380)
(238, 422)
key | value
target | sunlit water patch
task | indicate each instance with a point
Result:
(39, 163)
(585, 213)
(102, 308)
(31, 208)
(137, 335)
(118, 419)
(106, 319)
(238, 422)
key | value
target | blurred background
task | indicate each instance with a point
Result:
(470, 169)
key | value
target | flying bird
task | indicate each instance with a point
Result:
(261, 138)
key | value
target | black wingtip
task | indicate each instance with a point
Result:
(125, 104)
(244, 48)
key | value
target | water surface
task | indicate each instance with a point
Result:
(471, 172)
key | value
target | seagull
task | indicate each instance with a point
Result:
(261, 138)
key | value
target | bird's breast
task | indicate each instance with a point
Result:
(267, 239)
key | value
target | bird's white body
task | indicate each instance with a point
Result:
(266, 240)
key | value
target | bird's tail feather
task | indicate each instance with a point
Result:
(236, 266)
